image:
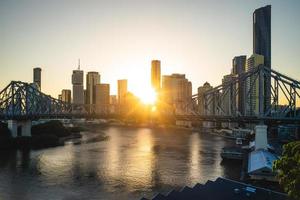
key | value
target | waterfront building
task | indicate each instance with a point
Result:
(177, 92)
(77, 82)
(92, 79)
(238, 68)
(262, 45)
(113, 101)
(66, 96)
(260, 165)
(37, 77)
(102, 98)
(122, 91)
(155, 75)
(253, 86)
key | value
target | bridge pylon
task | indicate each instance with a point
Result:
(19, 128)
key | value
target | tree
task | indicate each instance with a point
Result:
(288, 168)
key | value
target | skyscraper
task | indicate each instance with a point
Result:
(77, 81)
(66, 95)
(262, 45)
(262, 33)
(92, 78)
(155, 75)
(253, 86)
(37, 77)
(239, 67)
(102, 98)
(122, 91)
(176, 91)
(229, 103)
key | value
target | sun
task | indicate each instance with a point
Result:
(147, 96)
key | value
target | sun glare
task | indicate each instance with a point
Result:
(147, 96)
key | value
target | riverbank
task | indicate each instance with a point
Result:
(46, 135)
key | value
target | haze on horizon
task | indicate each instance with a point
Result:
(120, 38)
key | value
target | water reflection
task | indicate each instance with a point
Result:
(195, 173)
(130, 164)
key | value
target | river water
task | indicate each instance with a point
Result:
(129, 164)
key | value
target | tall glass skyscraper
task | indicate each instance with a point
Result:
(262, 46)
(262, 33)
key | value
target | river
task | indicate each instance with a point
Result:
(129, 164)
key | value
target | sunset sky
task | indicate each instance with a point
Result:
(119, 38)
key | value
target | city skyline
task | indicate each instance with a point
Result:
(116, 65)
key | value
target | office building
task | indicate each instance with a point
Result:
(92, 78)
(155, 75)
(253, 86)
(77, 82)
(203, 109)
(177, 92)
(122, 91)
(66, 96)
(201, 101)
(262, 45)
(228, 101)
(37, 77)
(102, 98)
(113, 101)
(238, 68)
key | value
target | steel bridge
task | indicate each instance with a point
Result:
(22, 101)
(244, 98)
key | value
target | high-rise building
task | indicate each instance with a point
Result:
(113, 101)
(92, 78)
(37, 77)
(201, 103)
(176, 92)
(202, 108)
(102, 98)
(77, 82)
(229, 103)
(253, 86)
(262, 45)
(155, 75)
(66, 95)
(239, 67)
(59, 97)
(122, 91)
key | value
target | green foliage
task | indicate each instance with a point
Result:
(55, 128)
(288, 167)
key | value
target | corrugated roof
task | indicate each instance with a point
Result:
(260, 159)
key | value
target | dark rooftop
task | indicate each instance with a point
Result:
(221, 189)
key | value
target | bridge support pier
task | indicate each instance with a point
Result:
(19, 128)
(261, 139)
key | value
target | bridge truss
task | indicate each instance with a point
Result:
(261, 94)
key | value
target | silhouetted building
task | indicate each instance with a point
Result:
(262, 45)
(37, 77)
(253, 87)
(102, 98)
(238, 68)
(155, 75)
(122, 91)
(229, 103)
(177, 92)
(113, 101)
(202, 108)
(66, 96)
(92, 78)
(77, 82)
